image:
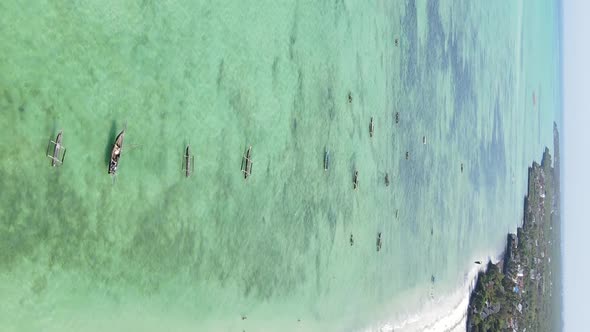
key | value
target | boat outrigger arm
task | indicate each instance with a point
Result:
(59, 151)
(247, 163)
(188, 162)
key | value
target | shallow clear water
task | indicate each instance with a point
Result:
(156, 251)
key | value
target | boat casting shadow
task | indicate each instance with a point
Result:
(109, 144)
(245, 149)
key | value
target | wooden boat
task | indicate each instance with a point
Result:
(396, 117)
(247, 162)
(59, 151)
(387, 179)
(116, 152)
(461, 167)
(188, 162)
(371, 127)
(326, 159)
(407, 155)
(378, 241)
(423, 139)
(355, 180)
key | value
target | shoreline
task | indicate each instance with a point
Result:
(518, 292)
(446, 313)
(452, 312)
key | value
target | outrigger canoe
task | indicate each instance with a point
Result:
(247, 163)
(116, 153)
(188, 162)
(57, 158)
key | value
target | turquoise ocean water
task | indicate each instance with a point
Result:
(154, 251)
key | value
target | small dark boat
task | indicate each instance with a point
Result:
(478, 262)
(351, 240)
(349, 97)
(387, 179)
(355, 180)
(326, 159)
(116, 152)
(396, 41)
(57, 157)
(188, 162)
(371, 127)
(407, 155)
(423, 139)
(396, 117)
(461, 167)
(247, 163)
(378, 241)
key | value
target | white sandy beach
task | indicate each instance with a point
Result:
(444, 313)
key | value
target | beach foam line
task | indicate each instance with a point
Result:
(446, 313)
